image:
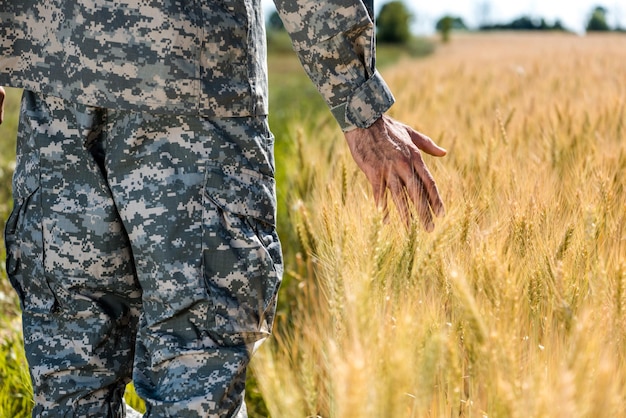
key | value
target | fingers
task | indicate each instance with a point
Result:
(422, 205)
(379, 189)
(405, 195)
(399, 197)
(2, 93)
(428, 186)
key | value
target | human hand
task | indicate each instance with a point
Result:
(388, 152)
(2, 93)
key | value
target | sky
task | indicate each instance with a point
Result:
(573, 14)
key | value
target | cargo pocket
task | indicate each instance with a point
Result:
(242, 260)
(25, 254)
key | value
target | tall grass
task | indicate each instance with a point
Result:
(514, 305)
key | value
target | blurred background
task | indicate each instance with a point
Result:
(573, 15)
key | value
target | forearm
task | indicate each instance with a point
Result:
(335, 42)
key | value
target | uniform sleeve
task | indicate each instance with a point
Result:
(334, 40)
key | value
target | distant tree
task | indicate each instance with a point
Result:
(456, 23)
(274, 22)
(558, 25)
(444, 26)
(523, 23)
(393, 23)
(597, 20)
(447, 24)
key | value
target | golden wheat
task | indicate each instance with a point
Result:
(514, 306)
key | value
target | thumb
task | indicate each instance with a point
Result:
(426, 144)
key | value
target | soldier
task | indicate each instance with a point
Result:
(142, 243)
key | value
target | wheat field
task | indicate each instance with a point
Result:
(515, 305)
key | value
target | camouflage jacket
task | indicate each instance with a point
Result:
(189, 56)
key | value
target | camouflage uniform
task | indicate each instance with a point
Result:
(142, 242)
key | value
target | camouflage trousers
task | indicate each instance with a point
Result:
(142, 247)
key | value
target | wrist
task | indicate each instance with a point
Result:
(366, 105)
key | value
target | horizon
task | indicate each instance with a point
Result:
(573, 14)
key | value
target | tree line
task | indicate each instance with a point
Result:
(393, 23)
(597, 22)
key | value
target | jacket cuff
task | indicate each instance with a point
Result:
(368, 103)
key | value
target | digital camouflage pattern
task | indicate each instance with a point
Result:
(189, 57)
(112, 203)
